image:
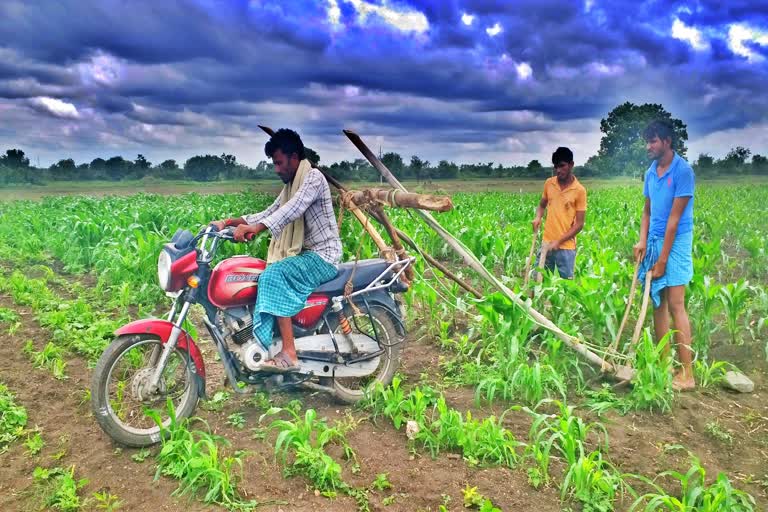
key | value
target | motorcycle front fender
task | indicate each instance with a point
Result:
(162, 330)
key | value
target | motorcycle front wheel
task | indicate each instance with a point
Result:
(120, 397)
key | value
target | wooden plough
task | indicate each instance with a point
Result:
(401, 197)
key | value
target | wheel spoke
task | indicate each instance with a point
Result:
(128, 387)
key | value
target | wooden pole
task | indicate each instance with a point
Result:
(471, 260)
(630, 299)
(400, 199)
(643, 310)
(529, 261)
(542, 262)
(397, 245)
(442, 268)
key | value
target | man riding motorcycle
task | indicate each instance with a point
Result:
(304, 249)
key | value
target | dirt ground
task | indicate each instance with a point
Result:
(639, 443)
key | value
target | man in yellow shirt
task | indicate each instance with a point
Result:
(565, 200)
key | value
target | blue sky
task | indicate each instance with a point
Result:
(468, 81)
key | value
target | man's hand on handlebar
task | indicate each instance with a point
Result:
(247, 232)
(226, 223)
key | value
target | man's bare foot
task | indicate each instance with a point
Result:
(683, 381)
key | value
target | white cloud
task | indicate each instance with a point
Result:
(753, 136)
(467, 18)
(494, 30)
(334, 13)
(55, 107)
(351, 91)
(588, 5)
(403, 20)
(524, 70)
(601, 68)
(691, 35)
(739, 34)
(102, 69)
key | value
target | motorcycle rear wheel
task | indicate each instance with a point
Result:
(351, 390)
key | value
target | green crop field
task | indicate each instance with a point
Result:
(505, 416)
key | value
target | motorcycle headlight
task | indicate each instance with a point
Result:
(164, 270)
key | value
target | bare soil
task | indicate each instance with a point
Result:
(639, 443)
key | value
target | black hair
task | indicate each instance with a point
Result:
(562, 154)
(287, 141)
(660, 128)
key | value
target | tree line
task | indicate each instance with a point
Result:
(622, 153)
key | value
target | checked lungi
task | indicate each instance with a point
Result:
(679, 269)
(283, 290)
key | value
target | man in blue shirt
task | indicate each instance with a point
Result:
(666, 241)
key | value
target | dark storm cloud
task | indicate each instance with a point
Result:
(218, 68)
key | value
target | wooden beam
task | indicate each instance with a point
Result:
(473, 262)
(397, 198)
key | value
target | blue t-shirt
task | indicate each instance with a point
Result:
(678, 181)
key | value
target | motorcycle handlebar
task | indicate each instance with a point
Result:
(225, 234)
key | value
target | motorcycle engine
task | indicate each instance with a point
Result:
(237, 326)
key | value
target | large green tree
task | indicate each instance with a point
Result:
(15, 159)
(622, 148)
(735, 162)
(204, 168)
(394, 162)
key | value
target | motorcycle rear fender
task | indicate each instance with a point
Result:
(162, 330)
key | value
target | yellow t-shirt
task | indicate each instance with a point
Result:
(562, 206)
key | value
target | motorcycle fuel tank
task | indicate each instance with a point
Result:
(234, 281)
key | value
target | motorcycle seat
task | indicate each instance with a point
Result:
(365, 273)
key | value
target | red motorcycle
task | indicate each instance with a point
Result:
(344, 342)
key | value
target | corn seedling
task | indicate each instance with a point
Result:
(441, 428)
(708, 375)
(593, 482)
(563, 432)
(34, 443)
(707, 294)
(59, 489)
(652, 386)
(49, 358)
(104, 500)
(13, 418)
(694, 494)
(714, 429)
(236, 420)
(306, 437)
(734, 297)
(198, 460)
